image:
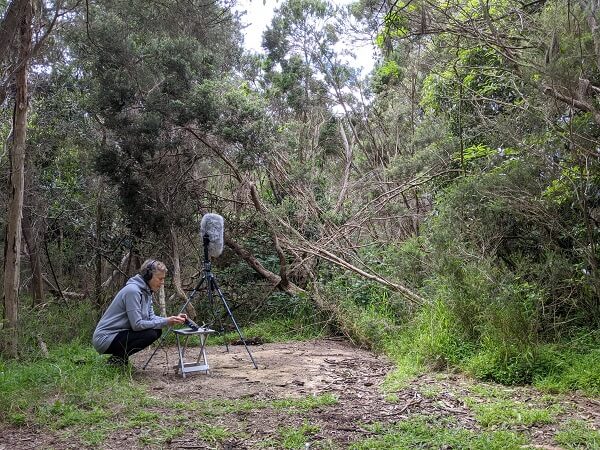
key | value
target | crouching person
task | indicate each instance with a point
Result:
(129, 324)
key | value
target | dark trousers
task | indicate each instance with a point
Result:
(128, 342)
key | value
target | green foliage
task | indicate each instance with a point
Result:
(407, 262)
(475, 81)
(438, 337)
(493, 273)
(506, 365)
(213, 433)
(278, 318)
(277, 330)
(389, 73)
(506, 413)
(578, 434)
(424, 432)
(56, 324)
(296, 437)
(71, 388)
(572, 365)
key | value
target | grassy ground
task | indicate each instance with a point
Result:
(74, 396)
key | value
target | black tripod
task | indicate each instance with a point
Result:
(211, 286)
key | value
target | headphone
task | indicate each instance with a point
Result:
(148, 272)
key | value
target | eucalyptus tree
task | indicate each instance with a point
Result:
(24, 29)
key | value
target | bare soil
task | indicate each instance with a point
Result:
(296, 370)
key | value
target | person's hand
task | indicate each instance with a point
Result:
(176, 320)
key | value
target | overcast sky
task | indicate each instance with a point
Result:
(259, 14)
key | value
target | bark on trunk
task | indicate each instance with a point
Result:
(35, 260)
(10, 24)
(12, 260)
(161, 301)
(347, 165)
(99, 299)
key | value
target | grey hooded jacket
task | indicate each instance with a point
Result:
(131, 309)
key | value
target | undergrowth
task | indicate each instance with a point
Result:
(494, 341)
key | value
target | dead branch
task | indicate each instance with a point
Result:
(274, 279)
(115, 272)
(571, 100)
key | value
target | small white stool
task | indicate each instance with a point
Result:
(201, 364)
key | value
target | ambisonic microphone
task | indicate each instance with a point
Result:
(212, 225)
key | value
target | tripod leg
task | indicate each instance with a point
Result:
(187, 302)
(219, 320)
(213, 285)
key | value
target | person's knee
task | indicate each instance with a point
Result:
(154, 335)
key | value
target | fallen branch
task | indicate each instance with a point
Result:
(272, 278)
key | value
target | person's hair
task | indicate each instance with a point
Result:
(151, 266)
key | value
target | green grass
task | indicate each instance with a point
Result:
(508, 412)
(407, 368)
(218, 407)
(489, 391)
(572, 370)
(60, 415)
(74, 391)
(392, 398)
(483, 329)
(161, 435)
(74, 385)
(423, 432)
(274, 330)
(213, 433)
(306, 403)
(430, 392)
(56, 323)
(93, 437)
(143, 419)
(577, 434)
(296, 437)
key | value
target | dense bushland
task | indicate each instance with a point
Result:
(508, 298)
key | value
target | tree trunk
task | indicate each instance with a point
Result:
(161, 301)
(13, 15)
(347, 166)
(98, 297)
(35, 260)
(31, 234)
(12, 249)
